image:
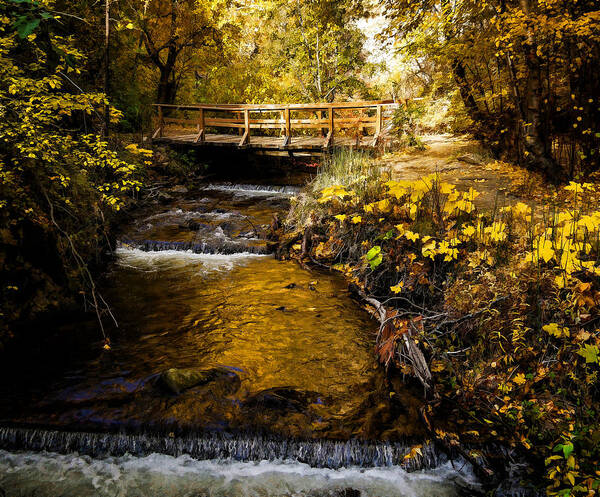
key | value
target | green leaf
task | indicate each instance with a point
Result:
(567, 449)
(374, 256)
(375, 261)
(589, 353)
(374, 252)
(25, 26)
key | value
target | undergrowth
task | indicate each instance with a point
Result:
(504, 304)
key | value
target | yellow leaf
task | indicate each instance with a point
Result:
(468, 231)
(555, 330)
(571, 478)
(397, 288)
(545, 250)
(411, 236)
(519, 379)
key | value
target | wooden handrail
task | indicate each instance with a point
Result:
(276, 107)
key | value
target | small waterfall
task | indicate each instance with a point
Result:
(259, 189)
(316, 453)
(223, 247)
(186, 215)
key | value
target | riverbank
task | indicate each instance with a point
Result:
(491, 306)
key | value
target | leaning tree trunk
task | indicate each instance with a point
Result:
(535, 142)
(466, 93)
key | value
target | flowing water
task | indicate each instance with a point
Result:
(285, 397)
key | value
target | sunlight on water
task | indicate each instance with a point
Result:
(290, 354)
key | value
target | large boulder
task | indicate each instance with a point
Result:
(179, 379)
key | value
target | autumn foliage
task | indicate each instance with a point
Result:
(525, 71)
(60, 183)
(504, 303)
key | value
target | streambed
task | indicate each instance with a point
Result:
(290, 355)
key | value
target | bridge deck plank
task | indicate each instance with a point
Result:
(313, 143)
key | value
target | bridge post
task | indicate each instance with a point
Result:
(329, 138)
(378, 125)
(288, 127)
(158, 133)
(200, 127)
(246, 136)
(358, 127)
(320, 116)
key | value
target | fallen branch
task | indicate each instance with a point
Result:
(410, 347)
(96, 296)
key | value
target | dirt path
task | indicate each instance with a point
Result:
(459, 160)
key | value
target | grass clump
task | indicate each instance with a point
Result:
(345, 168)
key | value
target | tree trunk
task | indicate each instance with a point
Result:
(535, 142)
(166, 86)
(466, 93)
(106, 66)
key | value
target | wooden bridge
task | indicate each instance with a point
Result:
(291, 127)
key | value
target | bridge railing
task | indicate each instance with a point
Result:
(327, 118)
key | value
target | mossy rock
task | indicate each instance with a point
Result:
(179, 379)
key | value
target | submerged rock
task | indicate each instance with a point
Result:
(178, 189)
(282, 398)
(179, 379)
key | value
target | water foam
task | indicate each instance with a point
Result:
(49, 474)
(220, 244)
(150, 261)
(194, 214)
(254, 189)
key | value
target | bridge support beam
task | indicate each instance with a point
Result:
(288, 127)
(378, 126)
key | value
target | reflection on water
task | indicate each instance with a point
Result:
(278, 325)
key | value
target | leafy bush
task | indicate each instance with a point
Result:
(59, 186)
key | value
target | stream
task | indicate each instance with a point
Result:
(230, 373)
